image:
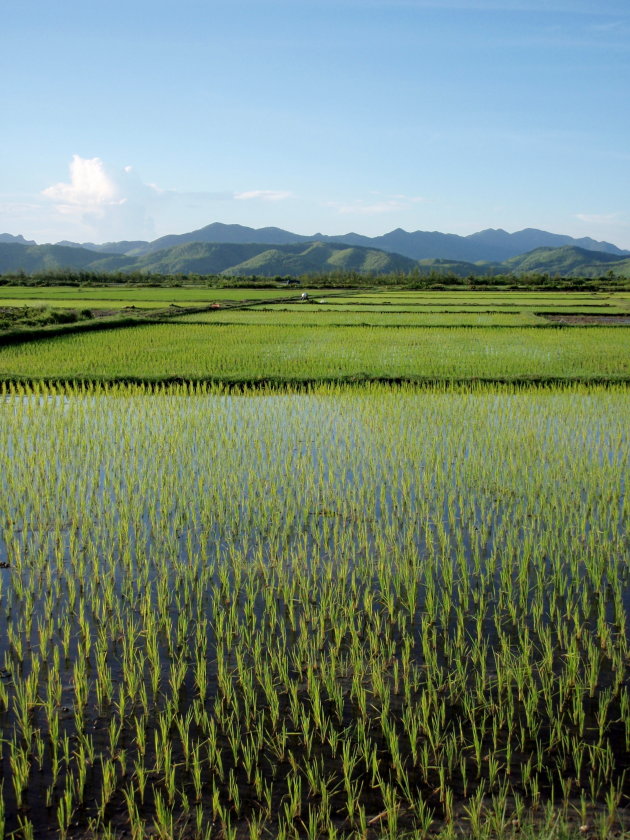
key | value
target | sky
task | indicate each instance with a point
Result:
(132, 120)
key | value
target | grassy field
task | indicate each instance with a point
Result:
(356, 613)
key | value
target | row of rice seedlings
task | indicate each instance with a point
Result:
(387, 298)
(320, 315)
(365, 613)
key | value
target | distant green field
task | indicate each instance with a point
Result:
(314, 316)
(392, 302)
(118, 297)
(479, 298)
(392, 312)
(246, 353)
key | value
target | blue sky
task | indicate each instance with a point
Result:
(132, 120)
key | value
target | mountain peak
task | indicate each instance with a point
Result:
(9, 239)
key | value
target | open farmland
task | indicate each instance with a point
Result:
(246, 592)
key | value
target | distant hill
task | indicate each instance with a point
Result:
(459, 267)
(30, 258)
(569, 261)
(485, 246)
(311, 257)
(205, 258)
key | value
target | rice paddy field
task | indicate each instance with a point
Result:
(119, 296)
(361, 611)
(233, 353)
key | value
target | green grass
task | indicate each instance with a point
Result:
(245, 353)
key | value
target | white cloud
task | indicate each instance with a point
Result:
(264, 195)
(90, 185)
(100, 202)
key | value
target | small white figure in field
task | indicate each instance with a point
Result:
(304, 296)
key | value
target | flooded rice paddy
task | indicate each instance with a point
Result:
(353, 612)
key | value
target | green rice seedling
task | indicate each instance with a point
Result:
(217, 807)
(141, 775)
(183, 724)
(164, 820)
(20, 770)
(81, 776)
(135, 820)
(26, 828)
(475, 809)
(38, 748)
(392, 807)
(249, 757)
(293, 803)
(108, 784)
(24, 701)
(169, 777)
(121, 758)
(64, 812)
(114, 733)
(196, 772)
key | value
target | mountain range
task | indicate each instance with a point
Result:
(238, 250)
(488, 245)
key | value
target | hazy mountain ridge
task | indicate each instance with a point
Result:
(8, 238)
(491, 245)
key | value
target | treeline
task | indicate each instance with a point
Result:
(417, 279)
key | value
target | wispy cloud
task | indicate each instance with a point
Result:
(263, 195)
(609, 26)
(598, 218)
(574, 7)
(386, 204)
